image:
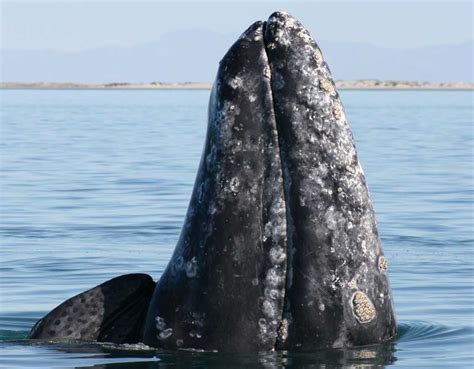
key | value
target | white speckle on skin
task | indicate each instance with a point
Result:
(191, 268)
(165, 334)
(283, 330)
(267, 72)
(160, 323)
(274, 294)
(236, 82)
(268, 309)
(317, 55)
(352, 284)
(277, 255)
(331, 218)
(382, 264)
(234, 185)
(273, 278)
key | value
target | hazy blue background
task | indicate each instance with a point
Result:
(183, 41)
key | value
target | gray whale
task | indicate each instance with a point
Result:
(279, 249)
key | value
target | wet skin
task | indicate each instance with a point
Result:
(279, 249)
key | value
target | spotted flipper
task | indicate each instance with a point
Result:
(111, 312)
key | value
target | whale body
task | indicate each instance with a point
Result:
(279, 249)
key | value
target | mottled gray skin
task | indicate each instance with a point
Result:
(279, 249)
(111, 312)
(334, 250)
(224, 286)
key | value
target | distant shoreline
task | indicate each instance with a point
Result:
(342, 85)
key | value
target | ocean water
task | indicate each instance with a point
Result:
(95, 184)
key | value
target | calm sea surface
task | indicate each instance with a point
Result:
(95, 184)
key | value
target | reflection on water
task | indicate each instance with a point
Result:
(105, 355)
(133, 356)
(95, 184)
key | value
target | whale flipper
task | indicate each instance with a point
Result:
(114, 312)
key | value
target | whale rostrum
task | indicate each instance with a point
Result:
(279, 249)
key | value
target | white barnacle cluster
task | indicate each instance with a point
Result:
(283, 330)
(304, 34)
(234, 185)
(277, 255)
(335, 281)
(267, 72)
(281, 32)
(273, 283)
(264, 329)
(337, 111)
(274, 277)
(353, 183)
(327, 86)
(163, 332)
(274, 230)
(267, 231)
(333, 218)
(352, 283)
(295, 26)
(235, 82)
(258, 34)
(269, 309)
(318, 56)
(276, 226)
(363, 308)
(382, 264)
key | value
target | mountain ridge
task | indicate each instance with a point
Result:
(193, 55)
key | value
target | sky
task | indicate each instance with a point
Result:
(76, 26)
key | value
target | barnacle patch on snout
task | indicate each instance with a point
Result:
(363, 308)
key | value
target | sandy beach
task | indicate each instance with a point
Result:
(342, 85)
